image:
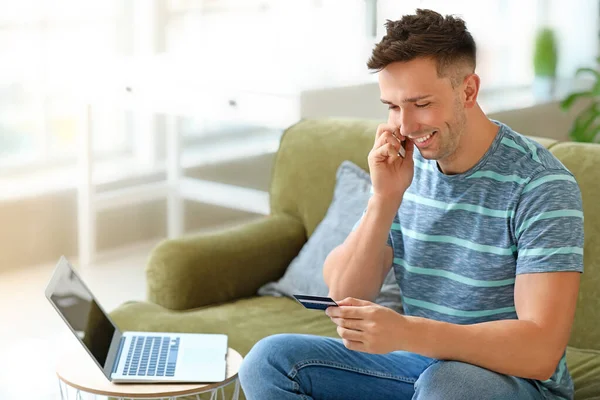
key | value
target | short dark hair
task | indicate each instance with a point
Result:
(425, 34)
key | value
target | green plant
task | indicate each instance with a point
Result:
(546, 54)
(586, 127)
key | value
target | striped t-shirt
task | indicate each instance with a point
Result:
(460, 240)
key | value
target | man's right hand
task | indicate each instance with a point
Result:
(390, 174)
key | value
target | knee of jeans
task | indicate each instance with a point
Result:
(449, 380)
(268, 356)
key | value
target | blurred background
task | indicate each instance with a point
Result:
(229, 76)
(123, 122)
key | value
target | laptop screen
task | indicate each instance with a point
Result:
(82, 313)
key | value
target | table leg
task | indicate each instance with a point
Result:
(236, 390)
(62, 394)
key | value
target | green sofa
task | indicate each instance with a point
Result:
(208, 283)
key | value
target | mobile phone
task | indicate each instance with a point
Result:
(315, 302)
(402, 151)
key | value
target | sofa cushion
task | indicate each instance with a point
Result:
(584, 366)
(305, 273)
(245, 321)
(249, 320)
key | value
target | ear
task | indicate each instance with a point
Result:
(471, 90)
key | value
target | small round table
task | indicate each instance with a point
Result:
(78, 371)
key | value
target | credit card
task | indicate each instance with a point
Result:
(315, 302)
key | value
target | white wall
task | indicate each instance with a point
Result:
(576, 24)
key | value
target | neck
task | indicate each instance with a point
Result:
(478, 136)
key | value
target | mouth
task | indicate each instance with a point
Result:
(424, 141)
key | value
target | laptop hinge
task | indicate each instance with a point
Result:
(116, 363)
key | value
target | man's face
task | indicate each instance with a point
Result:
(425, 107)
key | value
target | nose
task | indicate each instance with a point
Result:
(407, 123)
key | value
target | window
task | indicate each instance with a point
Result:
(268, 46)
(262, 46)
(505, 33)
(48, 45)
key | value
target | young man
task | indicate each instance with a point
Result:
(483, 228)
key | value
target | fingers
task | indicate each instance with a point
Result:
(386, 128)
(347, 323)
(353, 340)
(353, 301)
(386, 152)
(354, 345)
(349, 312)
(388, 134)
(348, 334)
(387, 137)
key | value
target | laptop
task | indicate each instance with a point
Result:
(133, 357)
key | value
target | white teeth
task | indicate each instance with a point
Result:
(421, 140)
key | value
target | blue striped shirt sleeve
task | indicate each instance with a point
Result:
(548, 224)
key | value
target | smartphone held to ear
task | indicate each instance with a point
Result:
(402, 151)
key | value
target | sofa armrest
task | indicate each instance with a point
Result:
(218, 267)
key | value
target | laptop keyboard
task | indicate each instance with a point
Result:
(152, 356)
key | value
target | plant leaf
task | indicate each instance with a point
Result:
(597, 138)
(590, 70)
(591, 131)
(568, 102)
(590, 134)
(582, 129)
(596, 88)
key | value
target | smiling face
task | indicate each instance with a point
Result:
(426, 107)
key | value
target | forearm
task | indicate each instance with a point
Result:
(356, 268)
(511, 347)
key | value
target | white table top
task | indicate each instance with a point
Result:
(78, 370)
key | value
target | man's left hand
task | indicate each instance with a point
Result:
(368, 327)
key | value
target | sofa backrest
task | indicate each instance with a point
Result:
(311, 151)
(583, 160)
(309, 155)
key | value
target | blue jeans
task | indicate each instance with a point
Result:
(295, 367)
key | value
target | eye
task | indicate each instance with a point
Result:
(422, 105)
(392, 107)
